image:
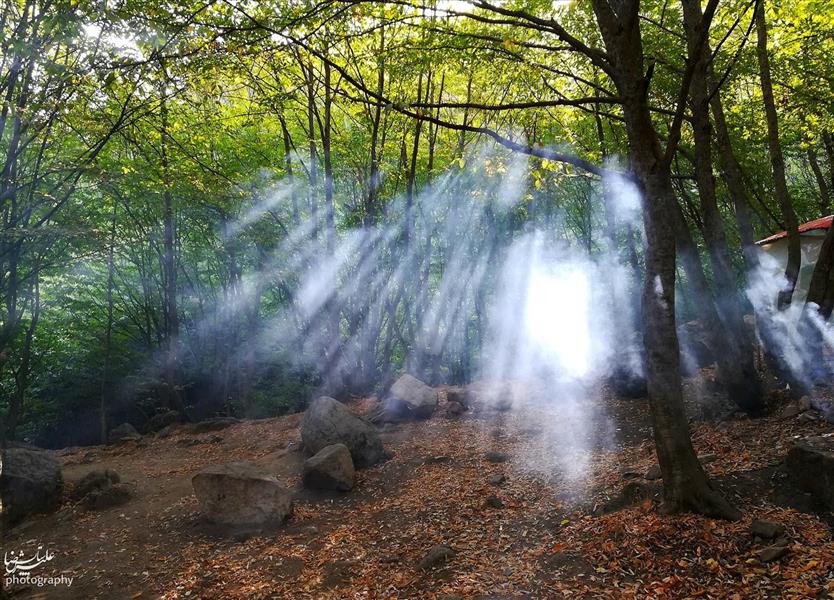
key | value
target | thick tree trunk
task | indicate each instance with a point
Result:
(777, 160)
(685, 484)
(742, 379)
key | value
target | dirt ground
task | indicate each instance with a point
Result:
(551, 539)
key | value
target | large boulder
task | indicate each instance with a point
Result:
(124, 433)
(327, 422)
(810, 464)
(331, 468)
(420, 398)
(30, 482)
(241, 494)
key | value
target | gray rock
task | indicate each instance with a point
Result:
(772, 553)
(790, 411)
(455, 409)
(497, 479)
(162, 420)
(653, 473)
(241, 494)
(123, 433)
(30, 482)
(807, 417)
(94, 481)
(109, 496)
(438, 555)
(420, 398)
(496, 457)
(630, 472)
(810, 464)
(766, 529)
(327, 422)
(461, 396)
(493, 501)
(215, 424)
(330, 469)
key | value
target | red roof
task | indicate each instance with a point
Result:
(821, 223)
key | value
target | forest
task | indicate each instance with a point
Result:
(225, 210)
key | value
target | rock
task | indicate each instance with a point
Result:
(391, 410)
(807, 417)
(497, 479)
(772, 553)
(493, 501)
(455, 409)
(241, 494)
(627, 384)
(109, 496)
(496, 457)
(766, 529)
(629, 472)
(810, 464)
(653, 474)
(790, 411)
(123, 433)
(330, 469)
(30, 482)
(437, 460)
(804, 403)
(439, 554)
(327, 422)
(94, 481)
(420, 398)
(215, 424)
(825, 408)
(167, 431)
(460, 396)
(162, 420)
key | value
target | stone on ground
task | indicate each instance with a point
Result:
(109, 496)
(124, 433)
(810, 464)
(241, 494)
(94, 481)
(331, 468)
(496, 457)
(766, 529)
(215, 424)
(419, 397)
(772, 553)
(30, 482)
(438, 555)
(328, 421)
(162, 420)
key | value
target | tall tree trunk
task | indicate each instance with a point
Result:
(685, 485)
(285, 133)
(369, 216)
(313, 168)
(108, 330)
(172, 323)
(822, 182)
(742, 382)
(777, 160)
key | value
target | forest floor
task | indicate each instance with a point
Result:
(551, 538)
